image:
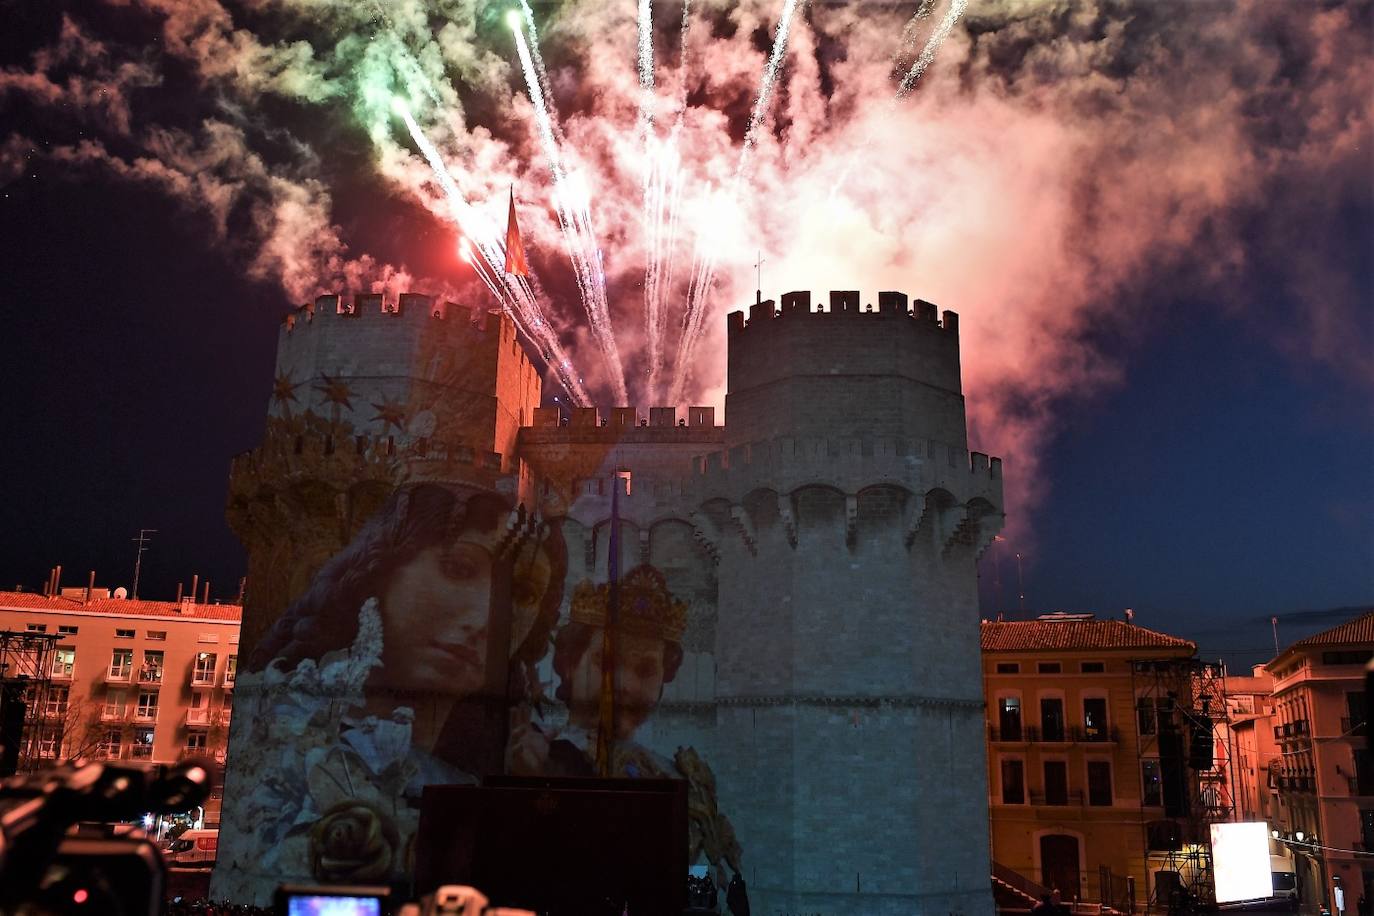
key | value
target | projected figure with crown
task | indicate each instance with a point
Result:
(647, 648)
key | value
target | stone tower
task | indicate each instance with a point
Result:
(802, 650)
(848, 515)
(368, 395)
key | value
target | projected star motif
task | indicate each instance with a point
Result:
(391, 414)
(335, 392)
(283, 389)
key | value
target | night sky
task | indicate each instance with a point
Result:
(1224, 476)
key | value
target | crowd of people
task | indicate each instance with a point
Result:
(183, 907)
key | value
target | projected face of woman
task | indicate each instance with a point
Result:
(436, 613)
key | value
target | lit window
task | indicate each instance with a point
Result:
(147, 705)
(204, 672)
(58, 697)
(63, 661)
(121, 664)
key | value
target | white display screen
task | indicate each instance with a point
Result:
(1240, 861)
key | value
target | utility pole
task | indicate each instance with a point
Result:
(1274, 623)
(142, 541)
(1020, 585)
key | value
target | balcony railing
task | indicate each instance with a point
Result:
(1074, 797)
(150, 675)
(145, 714)
(1037, 735)
(229, 680)
(1298, 783)
(201, 678)
(198, 716)
(140, 751)
(114, 714)
(118, 675)
(62, 672)
(1295, 729)
(54, 710)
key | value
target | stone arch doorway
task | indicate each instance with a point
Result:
(1059, 864)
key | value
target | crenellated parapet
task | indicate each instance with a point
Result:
(843, 305)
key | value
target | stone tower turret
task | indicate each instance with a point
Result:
(368, 395)
(847, 515)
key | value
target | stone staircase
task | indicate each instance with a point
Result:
(1014, 894)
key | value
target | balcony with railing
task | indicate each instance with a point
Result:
(1031, 734)
(62, 671)
(55, 710)
(145, 715)
(118, 674)
(1049, 799)
(114, 714)
(1298, 728)
(150, 675)
(198, 716)
(202, 677)
(139, 751)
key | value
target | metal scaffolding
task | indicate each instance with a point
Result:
(26, 663)
(1180, 702)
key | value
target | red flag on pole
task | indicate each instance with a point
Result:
(515, 248)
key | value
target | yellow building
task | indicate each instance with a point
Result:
(1323, 770)
(1077, 712)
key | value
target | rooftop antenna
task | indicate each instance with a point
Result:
(142, 541)
(758, 278)
(1020, 585)
(997, 573)
(1274, 623)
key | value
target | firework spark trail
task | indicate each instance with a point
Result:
(707, 250)
(517, 299)
(909, 79)
(662, 190)
(937, 38)
(574, 218)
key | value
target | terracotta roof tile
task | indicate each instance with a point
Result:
(1361, 629)
(1036, 635)
(24, 601)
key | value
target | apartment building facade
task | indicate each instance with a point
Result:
(1075, 773)
(1322, 770)
(122, 679)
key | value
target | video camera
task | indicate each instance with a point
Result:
(45, 872)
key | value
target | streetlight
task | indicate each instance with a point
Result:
(1299, 835)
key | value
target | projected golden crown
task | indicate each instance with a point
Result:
(646, 606)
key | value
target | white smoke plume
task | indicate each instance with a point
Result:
(1057, 168)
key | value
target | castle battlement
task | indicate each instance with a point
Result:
(381, 330)
(849, 465)
(845, 304)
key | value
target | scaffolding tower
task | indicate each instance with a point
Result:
(26, 664)
(1180, 709)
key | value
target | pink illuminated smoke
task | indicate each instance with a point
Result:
(1059, 170)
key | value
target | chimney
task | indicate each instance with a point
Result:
(47, 586)
(90, 587)
(206, 599)
(180, 586)
(57, 580)
(195, 584)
